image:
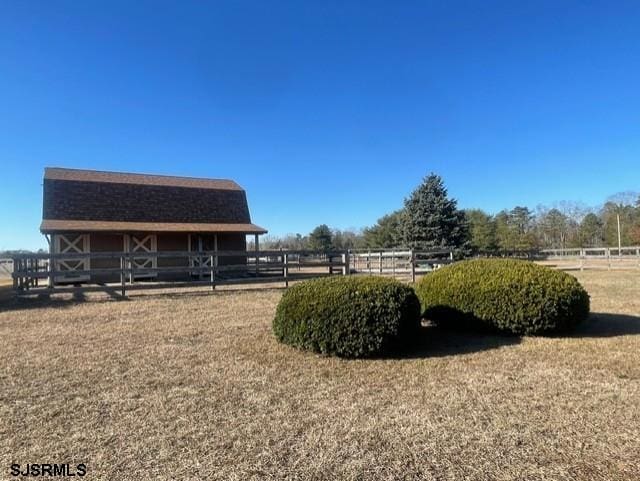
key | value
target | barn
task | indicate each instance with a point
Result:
(87, 211)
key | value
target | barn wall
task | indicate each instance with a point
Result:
(232, 242)
(114, 242)
(173, 242)
(106, 242)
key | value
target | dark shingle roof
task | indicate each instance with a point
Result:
(109, 197)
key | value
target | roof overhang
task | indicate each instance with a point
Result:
(51, 226)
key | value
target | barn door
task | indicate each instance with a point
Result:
(72, 244)
(202, 243)
(143, 244)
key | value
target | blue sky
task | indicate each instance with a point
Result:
(325, 112)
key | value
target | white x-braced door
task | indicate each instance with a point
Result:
(143, 244)
(71, 244)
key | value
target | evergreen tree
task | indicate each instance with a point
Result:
(591, 231)
(482, 230)
(320, 238)
(386, 233)
(431, 219)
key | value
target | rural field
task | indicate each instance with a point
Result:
(194, 386)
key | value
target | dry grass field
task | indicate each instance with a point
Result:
(194, 386)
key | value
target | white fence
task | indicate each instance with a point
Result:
(596, 257)
(399, 263)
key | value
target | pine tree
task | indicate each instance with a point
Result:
(431, 219)
(321, 238)
(482, 231)
(386, 233)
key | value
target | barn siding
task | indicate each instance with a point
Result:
(166, 242)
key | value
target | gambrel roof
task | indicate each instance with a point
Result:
(87, 200)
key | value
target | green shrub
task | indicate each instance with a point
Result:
(509, 295)
(348, 316)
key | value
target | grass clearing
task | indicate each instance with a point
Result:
(193, 386)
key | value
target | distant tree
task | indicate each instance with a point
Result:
(347, 239)
(482, 230)
(514, 229)
(320, 238)
(553, 228)
(386, 233)
(431, 219)
(622, 206)
(591, 231)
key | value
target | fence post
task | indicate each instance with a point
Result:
(50, 268)
(608, 258)
(413, 266)
(582, 258)
(345, 264)
(13, 276)
(380, 261)
(130, 264)
(369, 261)
(122, 276)
(213, 273)
(285, 261)
(393, 262)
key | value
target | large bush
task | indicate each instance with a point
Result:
(348, 316)
(509, 295)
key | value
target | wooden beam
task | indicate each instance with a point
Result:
(257, 249)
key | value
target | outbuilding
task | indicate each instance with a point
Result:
(87, 211)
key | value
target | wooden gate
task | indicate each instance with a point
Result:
(71, 244)
(143, 244)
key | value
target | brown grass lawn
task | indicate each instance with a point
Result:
(194, 386)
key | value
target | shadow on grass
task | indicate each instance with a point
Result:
(606, 324)
(43, 301)
(436, 341)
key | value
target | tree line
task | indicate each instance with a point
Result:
(429, 218)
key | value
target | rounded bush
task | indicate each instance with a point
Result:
(348, 316)
(513, 296)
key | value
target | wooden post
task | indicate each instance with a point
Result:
(51, 266)
(413, 267)
(608, 254)
(215, 250)
(213, 273)
(127, 249)
(380, 261)
(369, 261)
(582, 255)
(122, 276)
(15, 279)
(345, 264)
(393, 262)
(130, 265)
(200, 258)
(285, 259)
(257, 246)
(348, 256)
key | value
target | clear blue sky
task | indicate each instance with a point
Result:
(325, 112)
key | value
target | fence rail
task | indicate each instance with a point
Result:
(50, 273)
(597, 257)
(399, 262)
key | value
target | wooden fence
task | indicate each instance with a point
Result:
(51, 273)
(41, 273)
(594, 257)
(399, 262)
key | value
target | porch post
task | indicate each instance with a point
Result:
(200, 258)
(51, 266)
(257, 245)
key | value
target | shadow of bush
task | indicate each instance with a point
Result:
(606, 324)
